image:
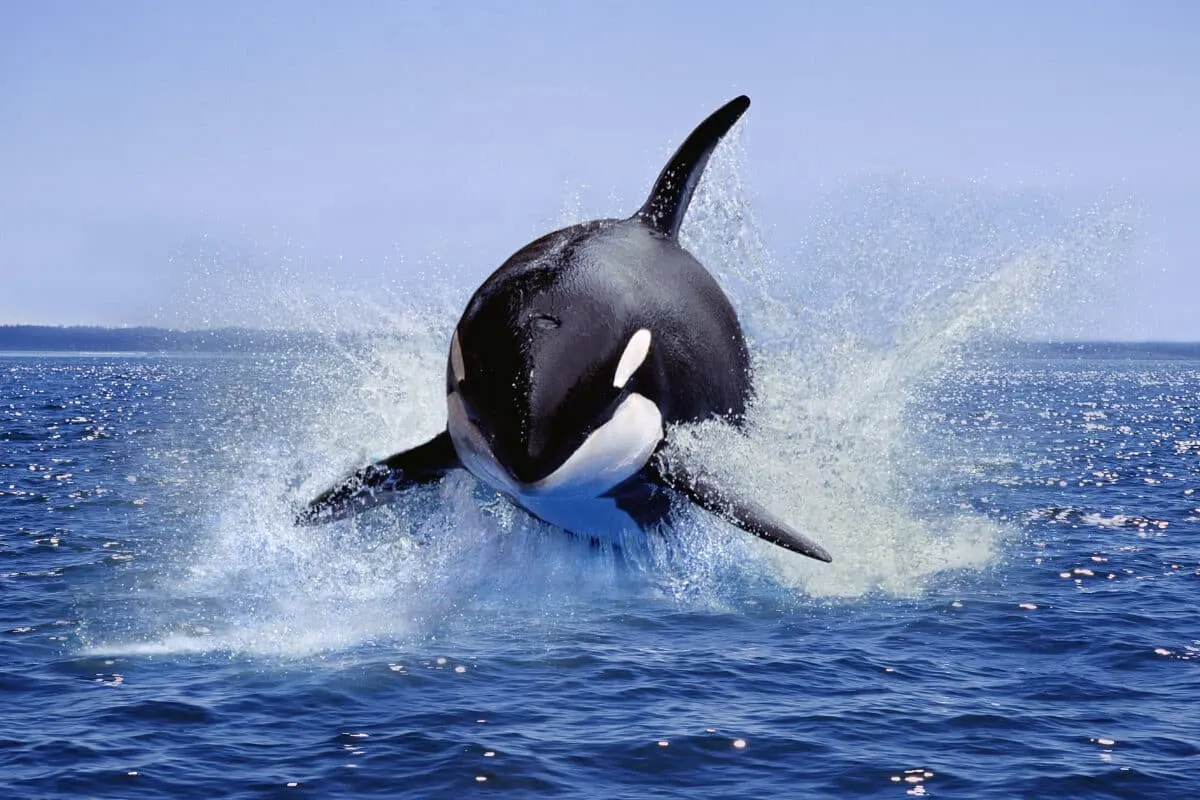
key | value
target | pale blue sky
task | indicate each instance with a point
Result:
(135, 137)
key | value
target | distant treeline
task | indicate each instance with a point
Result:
(80, 338)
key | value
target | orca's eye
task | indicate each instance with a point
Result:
(545, 322)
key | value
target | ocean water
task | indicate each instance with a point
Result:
(1011, 611)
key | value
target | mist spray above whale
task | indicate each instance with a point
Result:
(571, 364)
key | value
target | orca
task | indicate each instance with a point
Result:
(571, 364)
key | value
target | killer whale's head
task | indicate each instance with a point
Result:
(553, 382)
(550, 381)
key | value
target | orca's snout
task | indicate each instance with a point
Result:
(525, 460)
(525, 472)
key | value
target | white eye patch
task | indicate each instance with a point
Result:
(635, 353)
(456, 360)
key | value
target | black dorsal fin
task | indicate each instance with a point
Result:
(672, 192)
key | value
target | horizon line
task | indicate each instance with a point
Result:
(244, 329)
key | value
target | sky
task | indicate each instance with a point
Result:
(143, 142)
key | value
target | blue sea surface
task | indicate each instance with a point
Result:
(1011, 611)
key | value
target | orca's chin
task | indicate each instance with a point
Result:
(526, 463)
(606, 457)
(524, 471)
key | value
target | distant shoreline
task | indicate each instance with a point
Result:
(150, 340)
(99, 340)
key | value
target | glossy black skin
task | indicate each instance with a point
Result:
(541, 339)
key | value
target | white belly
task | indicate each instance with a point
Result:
(596, 517)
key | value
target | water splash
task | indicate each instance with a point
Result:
(892, 281)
